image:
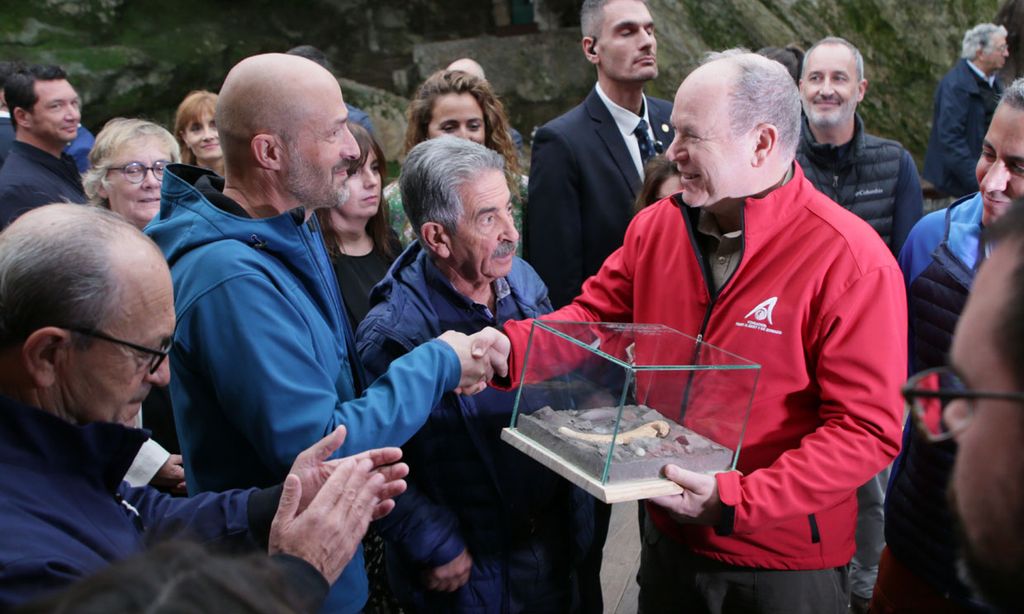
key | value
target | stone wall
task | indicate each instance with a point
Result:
(141, 57)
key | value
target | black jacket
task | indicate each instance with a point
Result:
(582, 186)
(30, 178)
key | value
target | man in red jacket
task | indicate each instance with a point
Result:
(751, 258)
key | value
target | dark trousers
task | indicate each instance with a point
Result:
(673, 579)
(591, 599)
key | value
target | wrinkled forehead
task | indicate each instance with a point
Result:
(830, 57)
(53, 89)
(1006, 132)
(703, 97)
(619, 13)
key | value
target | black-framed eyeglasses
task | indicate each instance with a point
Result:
(135, 172)
(156, 359)
(929, 393)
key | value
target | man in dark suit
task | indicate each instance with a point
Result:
(6, 128)
(964, 103)
(588, 164)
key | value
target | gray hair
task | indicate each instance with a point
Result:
(57, 271)
(592, 16)
(116, 134)
(1013, 95)
(434, 172)
(836, 40)
(762, 92)
(979, 38)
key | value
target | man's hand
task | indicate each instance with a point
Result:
(450, 576)
(482, 355)
(171, 476)
(699, 502)
(312, 467)
(330, 528)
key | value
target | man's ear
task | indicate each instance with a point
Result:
(268, 151)
(766, 140)
(438, 241)
(21, 117)
(589, 51)
(43, 352)
(862, 88)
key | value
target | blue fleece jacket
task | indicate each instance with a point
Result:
(263, 364)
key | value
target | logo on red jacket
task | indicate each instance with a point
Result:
(760, 317)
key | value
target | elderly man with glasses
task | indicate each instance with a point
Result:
(939, 259)
(979, 402)
(86, 321)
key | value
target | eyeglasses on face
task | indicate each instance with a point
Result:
(135, 172)
(929, 395)
(156, 357)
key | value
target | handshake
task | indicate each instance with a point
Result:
(482, 355)
(327, 505)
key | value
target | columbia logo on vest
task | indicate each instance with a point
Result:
(871, 192)
(762, 317)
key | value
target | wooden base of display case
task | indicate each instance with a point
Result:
(609, 493)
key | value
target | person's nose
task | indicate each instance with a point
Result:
(162, 376)
(349, 148)
(676, 152)
(995, 179)
(510, 228)
(150, 180)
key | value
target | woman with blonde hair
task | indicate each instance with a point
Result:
(195, 127)
(126, 171)
(463, 105)
(127, 168)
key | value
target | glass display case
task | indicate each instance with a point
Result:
(608, 405)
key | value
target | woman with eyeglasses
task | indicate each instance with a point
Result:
(127, 168)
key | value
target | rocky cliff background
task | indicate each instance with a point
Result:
(139, 58)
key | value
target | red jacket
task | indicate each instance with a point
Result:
(827, 413)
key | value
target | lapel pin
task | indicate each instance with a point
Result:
(664, 127)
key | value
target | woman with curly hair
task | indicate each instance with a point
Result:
(460, 104)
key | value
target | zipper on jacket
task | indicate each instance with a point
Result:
(815, 534)
(712, 295)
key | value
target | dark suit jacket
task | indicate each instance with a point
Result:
(30, 177)
(6, 138)
(958, 129)
(582, 186)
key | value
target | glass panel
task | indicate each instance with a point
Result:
(620, 401)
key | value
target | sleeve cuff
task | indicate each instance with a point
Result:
(729, 492)
(305, 581)
(262, 507)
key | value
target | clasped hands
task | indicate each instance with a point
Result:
(327, 505)
(482, 355)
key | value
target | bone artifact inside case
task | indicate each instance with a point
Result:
(609, 405)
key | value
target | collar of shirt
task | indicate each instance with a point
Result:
(5, 114)
(499, 286)
(626, 121)
(988, 79)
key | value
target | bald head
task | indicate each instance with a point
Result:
(59, 264)
(270, 94)
(761, 91)
(468, 65)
